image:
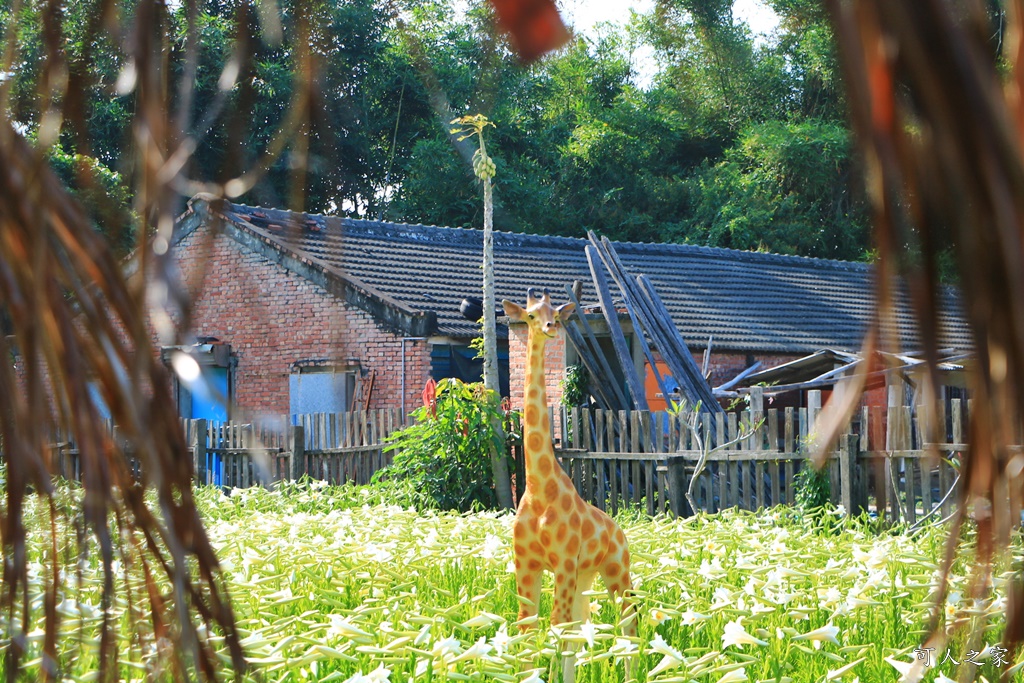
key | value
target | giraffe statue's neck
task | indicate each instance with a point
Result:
(540, 455)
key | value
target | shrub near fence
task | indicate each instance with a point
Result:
(622, 458)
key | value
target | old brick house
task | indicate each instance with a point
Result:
(303, 313)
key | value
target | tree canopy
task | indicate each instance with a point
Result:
(735, 140)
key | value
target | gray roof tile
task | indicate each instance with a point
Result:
(748, 301)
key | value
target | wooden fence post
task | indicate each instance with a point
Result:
(199, 451)
(848, 471)
(298, 452)
(677, 483)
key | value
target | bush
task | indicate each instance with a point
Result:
(813, 488)
(444, 456)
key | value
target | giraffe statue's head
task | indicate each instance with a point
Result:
(539, 315)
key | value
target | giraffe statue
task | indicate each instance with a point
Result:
(554, 528)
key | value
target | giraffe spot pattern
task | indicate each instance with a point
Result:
(566, 502)
(587, 530)
(562, 531)
(545, 464)
(551, 489)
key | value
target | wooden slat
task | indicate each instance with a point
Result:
(759, 484)
(957, 422)
(613, 485)
(790, 470)
(623, 445)
(773, 475)
(790, 434)
(928, 473)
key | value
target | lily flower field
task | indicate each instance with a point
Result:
(332, 584)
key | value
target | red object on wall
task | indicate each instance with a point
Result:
(534, 26)
(430, 396)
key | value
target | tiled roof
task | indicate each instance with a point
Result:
(748, 301)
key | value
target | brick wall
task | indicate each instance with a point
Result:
(273, 318)
(554, 366)
(725, 366)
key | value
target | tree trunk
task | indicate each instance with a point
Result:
(502, 484)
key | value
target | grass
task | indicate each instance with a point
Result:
(334, 584)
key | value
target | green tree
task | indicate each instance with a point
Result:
(786, 188)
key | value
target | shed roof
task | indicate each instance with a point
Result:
(749, 301)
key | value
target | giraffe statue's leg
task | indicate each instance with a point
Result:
(620, 586)
(528, 583)
(529, 569)
(566, 596)
(581, 605)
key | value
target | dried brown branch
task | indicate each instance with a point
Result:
(76, 325)
(939, 126)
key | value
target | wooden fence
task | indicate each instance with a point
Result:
(334, 447)
(626, 458)
(621, 458)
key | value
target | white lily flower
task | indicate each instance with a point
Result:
(343, 626)
(449, 647)
(379, 675)
(483, 620)
(667, 663)
(825, 633)
(734, 676)
(588, 630)
(501, 641)
(658, 616)
(711, 570)
(689, 618)
(624, 647)
(835, 674)
(423, 636)
(477, 650)
(904, 668)
(534, 677)
(659, 645)
(736, 635)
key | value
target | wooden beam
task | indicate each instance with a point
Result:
(657, 326)
(606, 369)
(690, 365)
(622, 280)
(611, 316)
